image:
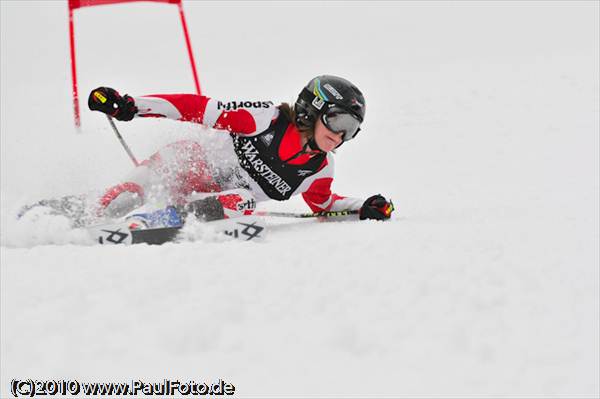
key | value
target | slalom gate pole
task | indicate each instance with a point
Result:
(123, 143)
(74, 73)
(324, 214)
(189, 47)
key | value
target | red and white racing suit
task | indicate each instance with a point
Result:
(267, 159)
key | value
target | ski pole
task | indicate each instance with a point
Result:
(326, 214)
(123, 143)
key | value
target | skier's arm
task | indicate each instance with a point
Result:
(243, 117)
(320, 198)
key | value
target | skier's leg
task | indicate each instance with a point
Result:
(196, 188)
(122, 198)
(181, 169)
(168, 176)
(192, 172)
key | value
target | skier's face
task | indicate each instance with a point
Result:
(325, 138)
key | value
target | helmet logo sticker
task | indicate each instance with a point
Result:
(318, 103)
(333, 91)
(318, 92)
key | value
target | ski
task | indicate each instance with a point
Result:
(247, 228)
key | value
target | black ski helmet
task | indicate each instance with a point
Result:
(326, 91)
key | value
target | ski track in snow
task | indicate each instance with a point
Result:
(485, 283)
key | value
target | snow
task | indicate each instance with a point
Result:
(482, 125)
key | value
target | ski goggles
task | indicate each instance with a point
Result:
(341, 122)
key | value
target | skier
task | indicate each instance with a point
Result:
(276, 152)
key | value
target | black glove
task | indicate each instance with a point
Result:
(110, 102)
(376, 207)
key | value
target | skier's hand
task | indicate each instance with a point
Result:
(376, 207)
(110, 102)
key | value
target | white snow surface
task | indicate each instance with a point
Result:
(482, 125)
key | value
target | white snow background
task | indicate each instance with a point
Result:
(482, 125)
